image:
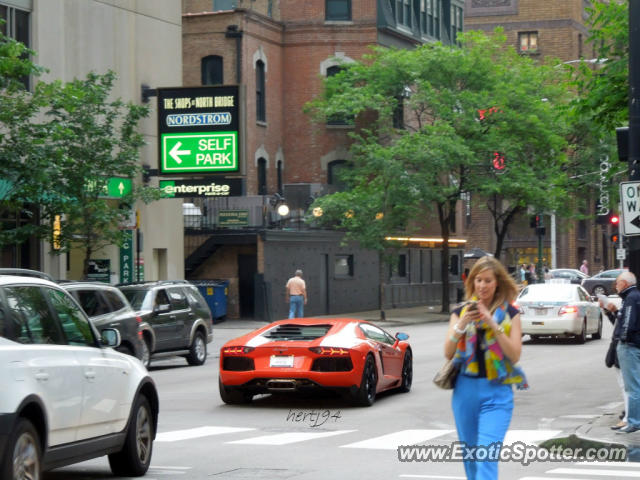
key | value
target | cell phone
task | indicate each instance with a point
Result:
(472, 306)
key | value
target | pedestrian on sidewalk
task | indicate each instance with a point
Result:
(584, 268)
(485, 341)
(296, 295)
(628, 349)
(609, 310)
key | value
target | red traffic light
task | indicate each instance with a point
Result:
(614, 238)
(615, 219)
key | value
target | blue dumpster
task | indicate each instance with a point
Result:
(215, 292)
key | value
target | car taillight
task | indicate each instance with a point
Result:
(330, 351)
(568, 309)
(237, 350)
(138, 319)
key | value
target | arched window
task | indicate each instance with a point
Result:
(333, 174)
(261, 104)
(337, 119)
(211, 70)
(262, 176)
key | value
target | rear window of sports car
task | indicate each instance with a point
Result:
(291, 331)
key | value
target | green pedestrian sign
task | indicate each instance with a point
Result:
(198, 130)
(199, 152)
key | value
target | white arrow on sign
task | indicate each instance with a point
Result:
(175, 152)
(121, 188)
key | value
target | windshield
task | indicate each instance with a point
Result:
(135, 297)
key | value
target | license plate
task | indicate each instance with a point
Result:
(541, 312)
(281, 361)
(537, 323)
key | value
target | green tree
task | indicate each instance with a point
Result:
(21, 144)
(90, 138)
(445, 145)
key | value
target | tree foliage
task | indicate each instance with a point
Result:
(462, 107)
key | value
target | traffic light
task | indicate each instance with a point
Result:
(536, 222)
(622, 137)
(614, 221)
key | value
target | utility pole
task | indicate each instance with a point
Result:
(634, 117)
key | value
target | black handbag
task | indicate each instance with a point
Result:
(446, 376)
(611, 358)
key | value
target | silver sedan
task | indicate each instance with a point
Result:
(559, 310)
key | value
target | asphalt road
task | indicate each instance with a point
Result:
(272, 438)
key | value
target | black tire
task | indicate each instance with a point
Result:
(598, 334)
(233, 396)
(135, 457)
(198, 350)
(366, 394)
(23, 455)
(598, 290)
(145, 352)
(407, 372)
(581, 338)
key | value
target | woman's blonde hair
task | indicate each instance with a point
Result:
(506, 290)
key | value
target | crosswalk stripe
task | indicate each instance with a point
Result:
(287, 438)
(595, 472)
(528, 436)
(549, 478)
(393, 440)
(188, 434)
(441, 477)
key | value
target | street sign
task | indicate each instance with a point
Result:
(630, 202)
(118, 187)
(206, 187)
(621, 253)
(126, 258)
(198, 130)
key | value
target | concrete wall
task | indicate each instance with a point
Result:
(141, 41)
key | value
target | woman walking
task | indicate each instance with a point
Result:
(484, 339)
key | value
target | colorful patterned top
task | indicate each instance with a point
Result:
(498, 367)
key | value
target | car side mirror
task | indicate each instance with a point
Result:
(400, 337)
(110, 337)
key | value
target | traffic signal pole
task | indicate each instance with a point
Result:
(634, 117)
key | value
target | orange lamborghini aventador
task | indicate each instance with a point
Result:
(350, 356)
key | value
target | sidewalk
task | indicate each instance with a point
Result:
(599, 430)
(393, 317)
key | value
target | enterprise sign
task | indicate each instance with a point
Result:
(206, 187)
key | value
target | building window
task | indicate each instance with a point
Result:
(17, 26)
(398, 112)
(279, 174)
(403, 12)
(211, 68)
(224, 5)
(402, 265)
(343, 266)
(261, 102)
(430, 17)
(338, 10)
(528, 42)
(456, 22)
(262, 176)
(337, 119)
(333, 174)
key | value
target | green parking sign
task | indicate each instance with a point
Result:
(199, 152)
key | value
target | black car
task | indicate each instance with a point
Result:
(176, 319)
(107, 307)
(603, 283)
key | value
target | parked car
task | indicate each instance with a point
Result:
(569, 274)
(107, 307)
(176, 319)
(66, 396)
(603, 283)
(346, 355)
(559, 310)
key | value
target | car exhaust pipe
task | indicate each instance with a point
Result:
(282, 385)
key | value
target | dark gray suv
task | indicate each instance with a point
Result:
(176, 319)
(107, 307)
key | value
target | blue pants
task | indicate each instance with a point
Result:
(482, 412)
(629, 359)
(296, 306)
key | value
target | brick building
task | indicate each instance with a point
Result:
(278, 52)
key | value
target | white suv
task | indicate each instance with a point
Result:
(67, 397)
